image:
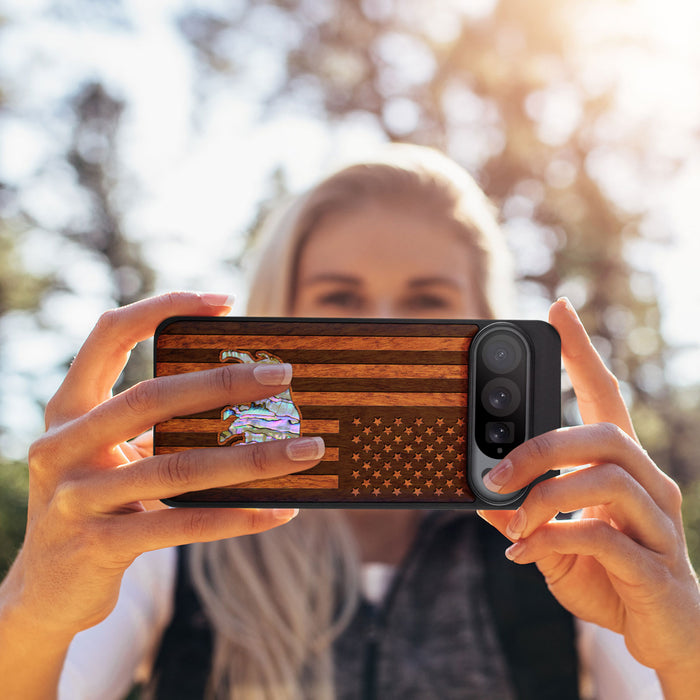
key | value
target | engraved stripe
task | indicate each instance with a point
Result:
(319, 342)
(337, 371)
(361, 398)
(322, 357)
(197, 425)
(331, 454)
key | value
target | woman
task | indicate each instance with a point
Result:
(411, 236)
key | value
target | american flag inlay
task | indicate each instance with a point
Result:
(388, 398)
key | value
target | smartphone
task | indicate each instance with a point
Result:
(413, 413)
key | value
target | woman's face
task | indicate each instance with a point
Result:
(385, 261)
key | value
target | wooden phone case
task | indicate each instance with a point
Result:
(388, 397)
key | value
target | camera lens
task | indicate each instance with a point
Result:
(499, 432)
(500, 396)
(502, 353)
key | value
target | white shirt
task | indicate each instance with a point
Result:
(104, 661)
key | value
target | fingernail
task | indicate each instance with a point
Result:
(303, 449)
(516, 525)
(569, 306)
(273, 374)
(285, 514)
(498, 477)
(515, 550)
(218, 299)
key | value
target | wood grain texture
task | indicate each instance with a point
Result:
(389, 400)
(317, 342)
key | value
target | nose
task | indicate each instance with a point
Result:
(383, 308)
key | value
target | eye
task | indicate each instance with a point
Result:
(341, 299)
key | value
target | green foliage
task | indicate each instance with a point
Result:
(14, 484)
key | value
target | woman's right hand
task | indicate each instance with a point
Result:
(87, 517)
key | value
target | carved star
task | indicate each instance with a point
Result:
(418, 491)
(438, 492)
(460, 422)
(450, 431)
(356, 421)
(429, 431)
(439, 421)
(429, 483)
(449, 483)
(376, 474)
(418, 421)
(375, 492)
(439, 457)
(439, 439)
(397, 491)
(356, 492)
(418, 474)
(460, 492)
(366, 466)
(398, 421)
(429, 448)
(365, 483)
(398, 438)
(387, 448)
(356, 475)
(367, 430)
(356, 456)
(418, 439)
(408, 448)
(407, 483)
(377, 421)
(387, 483)
(397, 475)
(438, 474)
(356, 438)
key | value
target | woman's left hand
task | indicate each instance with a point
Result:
(623, 564)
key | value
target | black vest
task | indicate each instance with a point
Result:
(534, 634)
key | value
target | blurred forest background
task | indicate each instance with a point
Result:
(580, 119)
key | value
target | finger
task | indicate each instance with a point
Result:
(157, 400)
(614, 550)
(105, 352)
(608, 486)
(583, 444)
(596, 388)
(170, 475)
(142, 532)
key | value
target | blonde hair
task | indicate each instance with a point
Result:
(405, 175)
(277, 600)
